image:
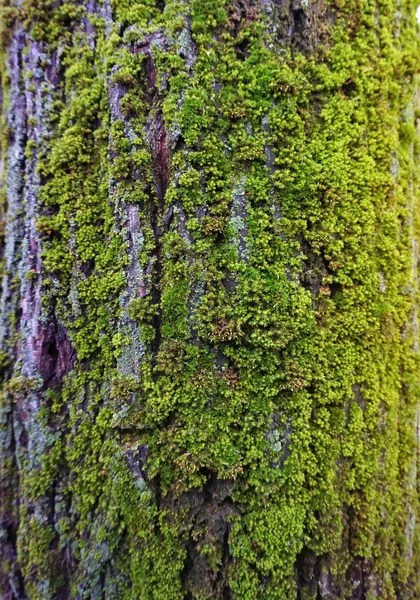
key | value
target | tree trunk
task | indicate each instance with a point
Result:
(209, 330)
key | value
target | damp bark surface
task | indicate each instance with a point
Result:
(209, 354)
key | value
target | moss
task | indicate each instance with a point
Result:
(275, 306)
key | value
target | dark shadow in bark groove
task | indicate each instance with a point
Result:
(55, 354)
(210, 508)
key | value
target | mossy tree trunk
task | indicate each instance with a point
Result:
(209, 332)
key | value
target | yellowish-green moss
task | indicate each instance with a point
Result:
(284, 357)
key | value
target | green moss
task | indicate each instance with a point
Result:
(276, 309)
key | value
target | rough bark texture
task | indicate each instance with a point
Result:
(209, 330)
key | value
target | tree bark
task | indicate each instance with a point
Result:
(209, 328)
